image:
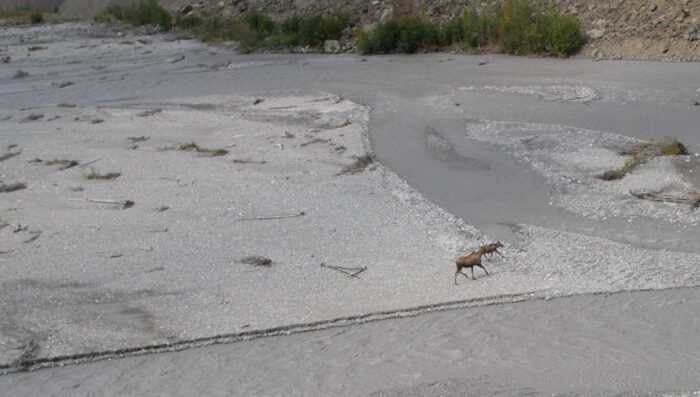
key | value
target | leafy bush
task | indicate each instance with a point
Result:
(403, 34)
(259, 23)
(566, 35)
(516, 26)
(255, 30)
(478, 30)
(146, 12)
(187, 21)
(314, 31)
(36, 17)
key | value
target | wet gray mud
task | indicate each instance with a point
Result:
(509, 146)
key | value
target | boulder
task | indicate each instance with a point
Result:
(596, 34)
(331, 46)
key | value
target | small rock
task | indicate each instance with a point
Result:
(387, 14)
(596, 34)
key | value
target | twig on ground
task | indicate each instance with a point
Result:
(257, 260)
(689, 197)
(28, 354)
(9, 155)
(263, 218)
(350, 271)
(125, 204)
(238, 161)
(147, 113)
(34, 237)
(91, 162)
(315, 140)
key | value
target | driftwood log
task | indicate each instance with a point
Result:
(691, 198)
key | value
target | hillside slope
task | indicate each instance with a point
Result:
(619, 29)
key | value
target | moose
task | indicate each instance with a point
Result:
(491, 248)
(474, 259)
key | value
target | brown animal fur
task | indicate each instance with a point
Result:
(471, 260)
(491, 248)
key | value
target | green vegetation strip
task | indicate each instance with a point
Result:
(640, 154)
(93, 174)
(512, 26)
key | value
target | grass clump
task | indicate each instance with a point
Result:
(359, 165)
(93, 174)
(641, 153)
(145, 12)
(63, 164)
(193, 147)
(13, 187)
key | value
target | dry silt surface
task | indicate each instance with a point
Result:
(197, 217)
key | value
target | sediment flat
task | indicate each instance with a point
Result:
(251, 193)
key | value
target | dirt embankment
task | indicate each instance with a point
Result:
(620, 29)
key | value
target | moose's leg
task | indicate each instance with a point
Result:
(460, 272)
(499, 253)
(472, 272)
(487, 273)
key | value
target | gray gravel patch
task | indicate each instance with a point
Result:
(572, 158)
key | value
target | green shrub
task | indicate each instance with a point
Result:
(187, 21)
(514, 26)
(259, 23)
(403, 34)
(211, 29)
(315, 30)
(36, 17)
(566, 35)
(289, 29)
(146, 12)
(384, 38)
(478, 30)
(251, 30)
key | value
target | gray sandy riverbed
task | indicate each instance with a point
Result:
(510, 146)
